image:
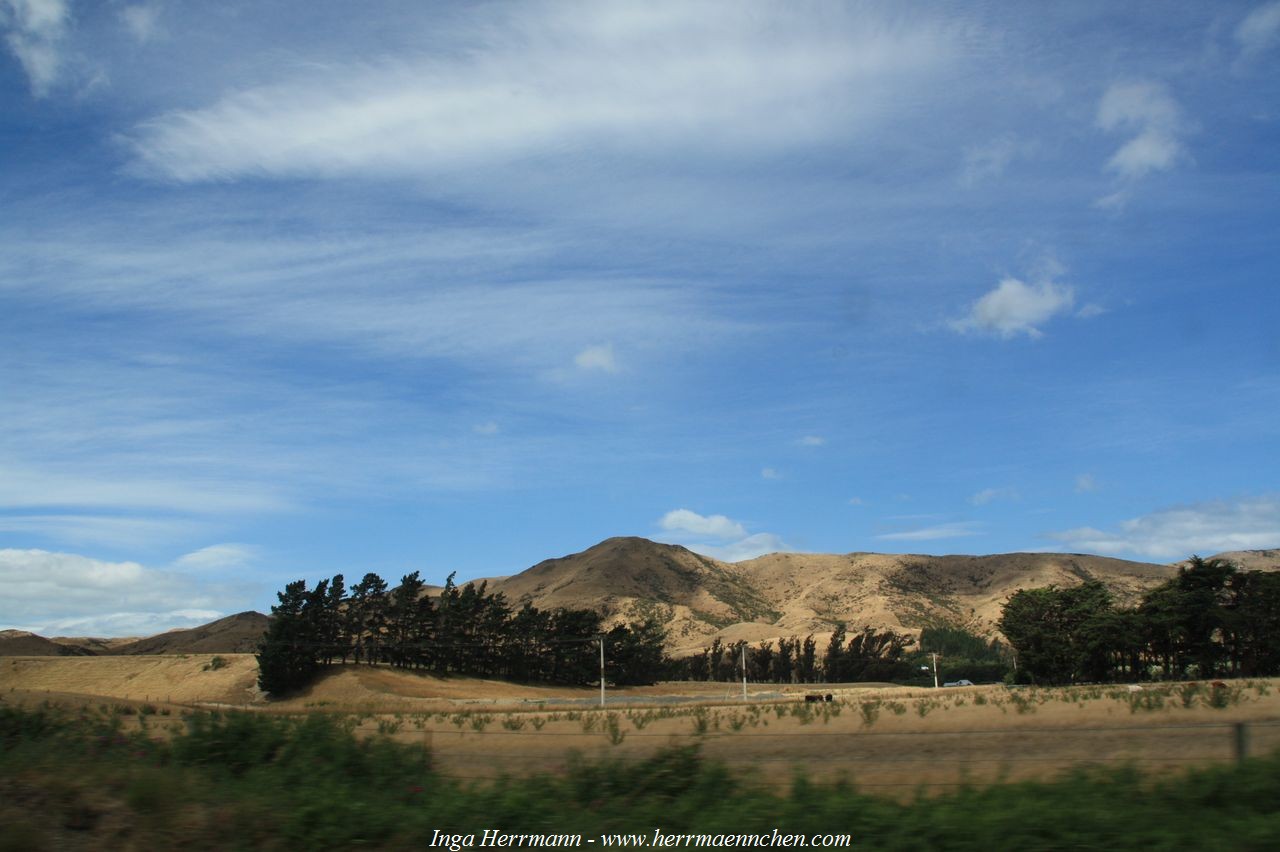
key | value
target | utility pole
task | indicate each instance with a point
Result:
(935, 669)
(601, 669)
(744, 671)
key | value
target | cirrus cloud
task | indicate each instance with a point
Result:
(551, 79)
(1259, 30)
(1178, 532)
(36, 29)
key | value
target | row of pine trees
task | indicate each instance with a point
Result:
(868, 655)
(1212, 620)
(465, 630)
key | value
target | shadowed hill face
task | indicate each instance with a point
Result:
(235, 634)
(19, 643)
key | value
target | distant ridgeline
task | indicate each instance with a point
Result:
(1212, 620)
(465, 631)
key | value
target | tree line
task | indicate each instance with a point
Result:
(862, 656)
(1211, 620)
(465, 630)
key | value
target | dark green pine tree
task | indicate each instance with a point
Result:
(287, 652)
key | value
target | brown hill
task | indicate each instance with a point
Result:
(95, 645)
(634, 577)
(794, 594)
(235, 634)
(20, 643)
(1251, 560)
(700, 599)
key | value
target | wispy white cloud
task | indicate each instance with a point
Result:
(597, 358)
(988, 161)
(49, 592)
(142, 21)
(1015, 307)
(770, 473)
(1259, 31)
(552, 79)
(118, 531)
(488, 427)
(1178, 532)
(217, 557)
(1148, 112)
(36, 30)
(812, 441)
(1085, 483)
(441, 296)
(26, 487)
(934, 532)
(717, 536)
(988, 495)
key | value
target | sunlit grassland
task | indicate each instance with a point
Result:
(242, 780)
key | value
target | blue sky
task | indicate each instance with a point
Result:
(292, 289)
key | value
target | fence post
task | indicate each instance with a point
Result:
(1241, 740)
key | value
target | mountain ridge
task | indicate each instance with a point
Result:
(700, 599)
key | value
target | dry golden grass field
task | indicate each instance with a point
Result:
(895, 740)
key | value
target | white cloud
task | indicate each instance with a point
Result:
(50, 593)
(550, 80)
(769, 473)
(857, 501)
(142, 21)
(24, 487)
(1085, 483)
(1259, 30)
(988, 495)
(217, 557)
(597, 358)
(714, 526)
(750, 547)
(932, 533)
(812, 441)
(717, 536)
(36, 30)
(1176, 533)
(1150, 113)
(107, 530)
(489, 427)
(989, 161)
(1015, 307)
(408, 296)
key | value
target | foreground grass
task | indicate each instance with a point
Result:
(226, 781)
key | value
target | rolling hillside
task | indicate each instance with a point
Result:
(701, 599)
(235, 634)
(785, 594)
(20, 643)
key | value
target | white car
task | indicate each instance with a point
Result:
(961, 682)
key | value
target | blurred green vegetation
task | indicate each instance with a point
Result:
(236, 780)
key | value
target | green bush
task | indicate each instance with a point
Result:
(251, 781)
